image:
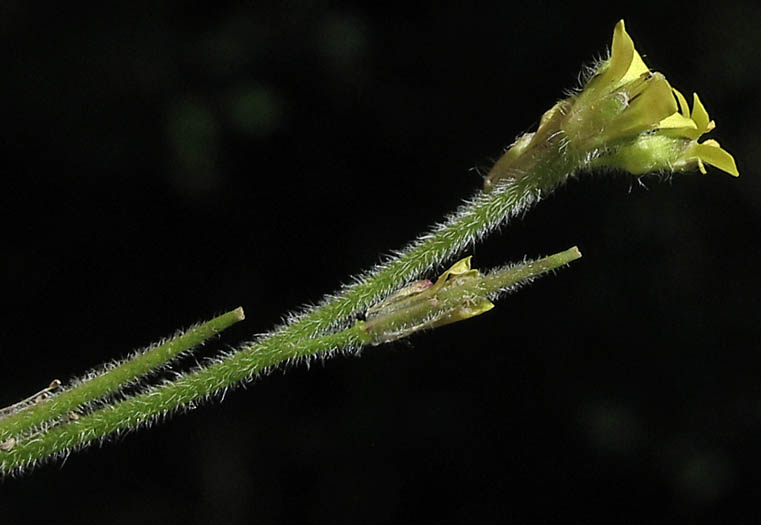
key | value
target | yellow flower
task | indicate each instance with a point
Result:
(625, 117)
(674, 145)
(633, 119)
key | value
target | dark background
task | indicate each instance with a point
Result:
(163, 164)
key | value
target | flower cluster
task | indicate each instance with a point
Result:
(640, 121)
(626, 117)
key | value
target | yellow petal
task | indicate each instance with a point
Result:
(684, 108)
(481, 306)
(621, 54)
(678, 126)
(636, 68)
(677, 121)
(464, 312)
(637, 65)
(653, 105)
(699, 114)
(702, 167)
(460, 267)
(713, 154)
(624, 64)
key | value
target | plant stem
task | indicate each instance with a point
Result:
(499, 280)
(46, 410)
(522, 186)
(236, 368)
(143, 408)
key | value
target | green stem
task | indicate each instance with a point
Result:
(500, 280)
(306, 334)
(540, 174)
(244, 365)
(46, 410)
(143, 408)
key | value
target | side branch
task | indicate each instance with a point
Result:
(45, 410)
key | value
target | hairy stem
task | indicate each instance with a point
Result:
(236, 368)
(307, 334)
(144, 408)
(49, 409)
(499, 280)
(522, 185)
